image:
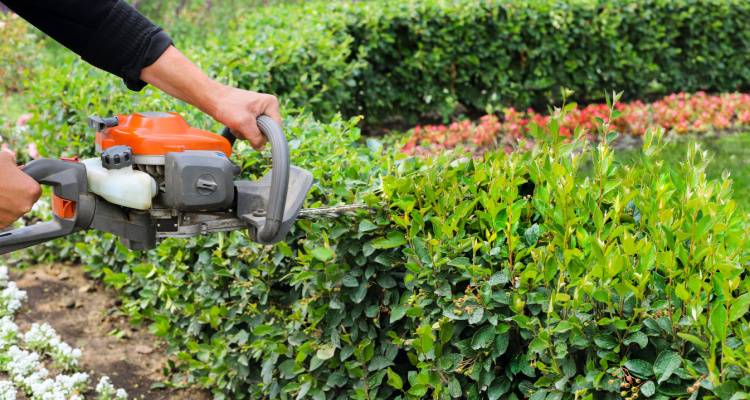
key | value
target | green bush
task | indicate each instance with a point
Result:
(555, 273)
(390, 59)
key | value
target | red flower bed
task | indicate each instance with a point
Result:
(678, 113)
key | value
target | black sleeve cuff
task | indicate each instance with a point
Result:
(158, 44)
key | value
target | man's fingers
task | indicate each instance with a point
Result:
(251, 133)
(272, 109)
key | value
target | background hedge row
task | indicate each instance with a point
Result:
(411, 59)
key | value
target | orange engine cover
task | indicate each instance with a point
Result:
(158, 133)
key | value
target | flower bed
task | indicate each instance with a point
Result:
(38, 363)
(678, 113)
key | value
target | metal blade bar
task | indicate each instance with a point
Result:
(208, 223)
(332, 212)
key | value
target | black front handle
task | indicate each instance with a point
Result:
(68, 180)
(279, 175)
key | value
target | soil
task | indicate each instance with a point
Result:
(85, 315)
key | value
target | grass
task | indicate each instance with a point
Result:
(730, 152)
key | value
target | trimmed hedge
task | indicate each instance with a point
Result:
(411, 59)
(515, 276)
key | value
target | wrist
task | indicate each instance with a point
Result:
(214, 95)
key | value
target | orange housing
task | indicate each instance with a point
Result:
(156, 134)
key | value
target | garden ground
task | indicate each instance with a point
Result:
(85, 314)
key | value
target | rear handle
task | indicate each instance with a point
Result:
(68, 180)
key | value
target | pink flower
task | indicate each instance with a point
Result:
(24, 119)
(32, 150)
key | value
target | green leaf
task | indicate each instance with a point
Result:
(322, 253)
(418, 390)
(483, 338)
(718, 320)
(386, 281)
(739, 308)
(360, 293)
(498, 388)
(397, 313)
(366, 226)
(326, 351)
(638, 337)
(605, 341)
(531, 235)
(648, 389)
(666, 363)
(454, 388)
(696, 341)
(378, 362)
(640, 368)
(460, 262)
(394, 380)
(392, 240)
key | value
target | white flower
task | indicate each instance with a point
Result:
(64, 356)
(8, 332)
(11, 299)
(106, 391)
(22, 363)
(44, 339)
(40, 337)
(7, 390)
(3, 276)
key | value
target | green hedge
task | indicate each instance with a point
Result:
(551, 274)
(410, 59)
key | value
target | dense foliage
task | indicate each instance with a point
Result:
(413, 58)
(552, 273)
(515, 275)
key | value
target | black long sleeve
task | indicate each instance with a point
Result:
(109, 34)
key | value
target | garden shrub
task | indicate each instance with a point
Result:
(17, 53)
(417, 58)
(516, 275)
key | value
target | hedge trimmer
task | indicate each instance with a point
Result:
(157, 177)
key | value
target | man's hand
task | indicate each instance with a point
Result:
(236, 108)
(19, 191)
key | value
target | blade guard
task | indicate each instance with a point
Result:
(271, 205)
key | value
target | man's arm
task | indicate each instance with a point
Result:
(174, 74)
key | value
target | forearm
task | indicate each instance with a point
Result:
(177, 76)
(236, 108)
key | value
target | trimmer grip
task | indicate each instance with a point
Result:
(68, 180)
(280, 166)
